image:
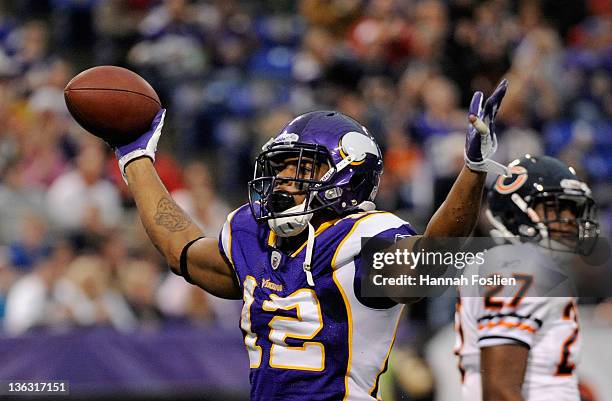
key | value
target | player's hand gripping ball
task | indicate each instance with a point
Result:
(144, 146)
(120, 107)
(113, 103)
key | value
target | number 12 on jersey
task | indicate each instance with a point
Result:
(309, 321)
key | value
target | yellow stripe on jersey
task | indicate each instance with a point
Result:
(382, 367)
(272, 238)
(322, 227)
(350, 333)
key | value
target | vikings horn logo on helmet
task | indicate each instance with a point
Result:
(359, 145)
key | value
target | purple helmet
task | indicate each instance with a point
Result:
(325, 137)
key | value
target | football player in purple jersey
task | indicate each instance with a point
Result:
(293, 252)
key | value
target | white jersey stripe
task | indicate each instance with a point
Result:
(364, 323)
(226, 236)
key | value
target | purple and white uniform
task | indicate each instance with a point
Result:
(311, 343)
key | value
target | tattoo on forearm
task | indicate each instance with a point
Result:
(170, 216)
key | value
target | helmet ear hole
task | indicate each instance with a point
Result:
(509, 218)
(357, 181)
(361, 184)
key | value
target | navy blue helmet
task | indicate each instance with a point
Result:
(546, 182)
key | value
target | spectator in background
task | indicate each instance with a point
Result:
(7, 277)
(87, 297)
(82, 200)
(31, 302)
(429, 29)
(116, 25)
(200, 308)
(315, 56)
(180, 300)
(8, 145)
(335, 16)
(411, 84)
(536, 65)
(113, 248)
(441, 114)
(200, 200)
(446, 158)
(46, 146)
(404, 166)
(383, 38)
(519, 141)
(170, 31)
(17, 200)
(32, 245)
(138, 282)
(29, 46)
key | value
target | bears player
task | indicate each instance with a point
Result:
(292, 253)
(513, 346)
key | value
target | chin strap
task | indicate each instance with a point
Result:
(500, 230)
(308, 257)
(367, 206)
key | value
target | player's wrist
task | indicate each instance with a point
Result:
(137, 157)
(139, 163)
(137, 166)
(144, 146)
(486, 166)
(474, 168)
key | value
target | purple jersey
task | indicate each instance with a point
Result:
(311, 343)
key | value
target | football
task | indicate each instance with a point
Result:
(113, 103)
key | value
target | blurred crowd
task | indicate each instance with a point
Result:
(231, 73)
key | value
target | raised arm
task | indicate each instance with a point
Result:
(167, 225)
(457, 216)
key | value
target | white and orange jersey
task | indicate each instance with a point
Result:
(548, 326)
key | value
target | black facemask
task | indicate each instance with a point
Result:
(279, 201)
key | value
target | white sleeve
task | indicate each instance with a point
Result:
(225, 237)
(225, 240)
(225, 244)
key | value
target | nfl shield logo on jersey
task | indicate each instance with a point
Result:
(399, 237)
(275, 259)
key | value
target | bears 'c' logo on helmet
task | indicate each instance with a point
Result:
(517, 180)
